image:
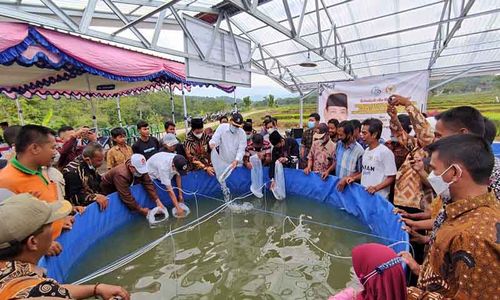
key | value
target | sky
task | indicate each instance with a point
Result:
(261, 87)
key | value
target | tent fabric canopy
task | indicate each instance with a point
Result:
(61, 64)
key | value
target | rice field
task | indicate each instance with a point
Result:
(288, 116)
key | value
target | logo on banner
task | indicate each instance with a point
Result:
(376, 91)
(390, 89)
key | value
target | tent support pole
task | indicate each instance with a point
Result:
(301, 123)
(172, 103)
(185, 108)
(302, 97)
(19, 111)
(235, 106)
(118, 111)
(92, 106)
(94, 117)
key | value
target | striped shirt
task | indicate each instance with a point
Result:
(349, 160)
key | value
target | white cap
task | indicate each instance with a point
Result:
(170, 140)
(138, 161)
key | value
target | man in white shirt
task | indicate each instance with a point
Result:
(379, 165)
(164, 166)
(230, 141)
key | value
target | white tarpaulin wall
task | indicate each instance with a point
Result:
(367, 97)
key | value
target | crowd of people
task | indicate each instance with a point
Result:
(439, 173)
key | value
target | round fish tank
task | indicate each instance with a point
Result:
(296, 248)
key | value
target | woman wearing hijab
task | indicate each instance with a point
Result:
(380, 273)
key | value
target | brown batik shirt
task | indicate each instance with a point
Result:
(409, 191)
(20, 280)
(463, 262)
(118, 155)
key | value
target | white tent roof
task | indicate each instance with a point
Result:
(346, 38)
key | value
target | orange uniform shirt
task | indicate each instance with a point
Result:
(20, 179)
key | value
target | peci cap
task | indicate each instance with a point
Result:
(180, 164)
(275, 138)
(138, 161)
(247, 127)
(170, 140)
(237, 119)
(257, 140)
(21, 215)
(197, 123)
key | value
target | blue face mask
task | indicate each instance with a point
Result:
(311, 124)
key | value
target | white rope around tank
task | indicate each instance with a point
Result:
(123, 261)
(143, 250)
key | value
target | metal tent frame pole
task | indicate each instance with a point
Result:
(119, 111)
(185, 108)
(302, 97)
(172, 103)
(235, 108)
(92, 105)
(19, 111)
(301, 123)
(94, 117)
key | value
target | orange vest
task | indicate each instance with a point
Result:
(19, 182)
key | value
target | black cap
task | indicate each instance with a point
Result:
(258, 140)
(237, 119)
(197, 123)
(180, 164)
(275, 138)
(247, 126)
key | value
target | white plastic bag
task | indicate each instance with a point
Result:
(184, 207)
(222, 169)
(257, 176)
(279, 190)
(157, 215)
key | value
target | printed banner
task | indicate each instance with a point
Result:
(367, 97)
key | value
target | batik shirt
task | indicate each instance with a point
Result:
(307, 139)
(118, 155)
(29, 280)
(82, 183)
(409, 190)
(495, 178)
(197, 151)
(400, 152)
(462, 263)
(322, 155)
(265, 151)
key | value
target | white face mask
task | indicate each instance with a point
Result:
(56, 157)
(441, 187)
(198, 135)
(271, 130)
